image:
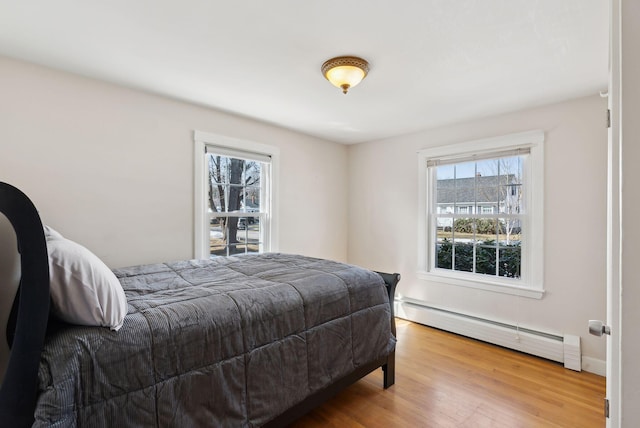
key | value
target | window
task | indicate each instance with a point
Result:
(234, 196)
(481, 214)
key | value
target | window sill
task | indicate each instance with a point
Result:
(493, 286)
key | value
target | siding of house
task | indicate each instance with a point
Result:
(384, 216)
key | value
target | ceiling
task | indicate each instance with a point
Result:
(433, 62)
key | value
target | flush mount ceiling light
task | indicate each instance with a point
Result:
(345, 72)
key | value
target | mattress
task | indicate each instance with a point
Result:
(231, 341)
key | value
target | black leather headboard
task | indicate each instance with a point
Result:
(27, 323)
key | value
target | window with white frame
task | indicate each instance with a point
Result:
(481, 214)
(487, 210)
(234, 196)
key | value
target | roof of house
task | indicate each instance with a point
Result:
(483, 189)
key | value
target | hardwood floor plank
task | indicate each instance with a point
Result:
(444, 380)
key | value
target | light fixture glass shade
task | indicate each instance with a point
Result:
(345, 72)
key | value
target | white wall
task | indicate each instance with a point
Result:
(112, 168)
(383, 214)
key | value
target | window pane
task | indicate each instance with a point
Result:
(217, 241)
(445, 172)
(446, 188)
(222, 163)
(465, 200)
(510, 261)
(216, 198)
(236, 170)
(510, 185)
(463, 256)
(465, 188)
(444, 239)
(235, 235)
(251, 199)
(446, 195)
(464, 228)
(444, 254)
(249, 234)
(488, 168)
(444, 228)
(486, 258)
(235, 198)
(510, 231)
(217, 169)
(465, 170)
(252, 173)
(486, 228)
(486, 197)
(510, 198)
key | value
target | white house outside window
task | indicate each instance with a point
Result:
(481, 214)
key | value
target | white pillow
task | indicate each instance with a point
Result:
(83, 289)
(49, 233)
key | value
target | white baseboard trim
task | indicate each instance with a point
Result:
(595, 366)
(558, 348)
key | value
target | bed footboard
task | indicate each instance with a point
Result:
(391, 280)
(388, 365)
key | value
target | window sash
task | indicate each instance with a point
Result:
(263, 186)
(263, 213)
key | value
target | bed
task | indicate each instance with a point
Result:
(242, 341)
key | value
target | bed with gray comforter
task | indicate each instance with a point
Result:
(227, 342)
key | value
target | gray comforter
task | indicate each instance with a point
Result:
(211, 343)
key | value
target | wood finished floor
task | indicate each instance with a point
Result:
(445, 380)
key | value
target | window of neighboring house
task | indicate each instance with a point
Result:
(234, 196)
(492, 238)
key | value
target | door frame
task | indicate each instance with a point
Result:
(614, 220)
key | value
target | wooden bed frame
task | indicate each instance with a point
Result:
(28, 320)
(387, 364)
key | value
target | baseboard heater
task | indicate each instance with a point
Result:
(561, 348)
